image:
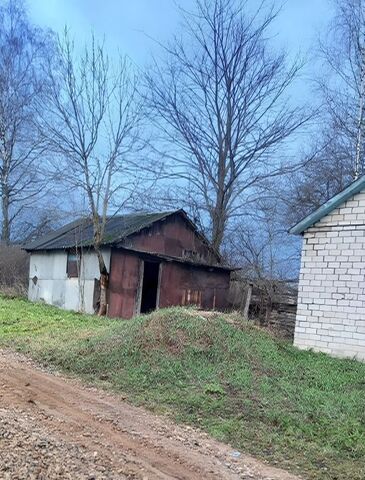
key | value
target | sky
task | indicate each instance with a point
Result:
(134, 26)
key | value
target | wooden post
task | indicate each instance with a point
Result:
(248, 300)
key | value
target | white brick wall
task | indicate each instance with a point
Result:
(331, 301)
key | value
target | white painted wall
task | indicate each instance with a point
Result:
(54, 287)
(331, 302)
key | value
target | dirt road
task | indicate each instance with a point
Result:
(56, 428)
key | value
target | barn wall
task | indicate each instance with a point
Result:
(171, 237)
(123, 284)
(331, 300)
(48, 280)
(183, 284)
(179, 285)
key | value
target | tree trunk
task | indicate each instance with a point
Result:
(219, 214)
(5, 227)
(360, 126)
(104, 283)
(218, 218)
(217, 231)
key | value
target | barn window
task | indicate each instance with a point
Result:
(73, 264)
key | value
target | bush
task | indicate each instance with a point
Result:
(14, 267)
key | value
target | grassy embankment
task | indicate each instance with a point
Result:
(303, 410)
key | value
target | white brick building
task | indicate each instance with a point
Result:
(331, 302)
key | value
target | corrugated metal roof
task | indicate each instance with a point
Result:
(80, 232)
(329, 206)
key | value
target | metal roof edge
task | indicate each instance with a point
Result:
(36, 245)
(172, 258)
(51, 236)
(328, 206)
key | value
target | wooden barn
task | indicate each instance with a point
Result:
(154, 260)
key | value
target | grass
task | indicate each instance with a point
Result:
(302, 410)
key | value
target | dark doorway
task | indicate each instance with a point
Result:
(149, 286)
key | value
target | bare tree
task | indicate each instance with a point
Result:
(43, 220)
(338, 147)
(23, 49)
(267, 255)
(261, 246)
(220, 101)
(328, 172)
(343, 81)
(92, 123)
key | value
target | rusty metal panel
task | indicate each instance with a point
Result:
(172, 236)
(123, 284)
(179, 284)
(184, 284)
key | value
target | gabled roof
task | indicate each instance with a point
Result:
(80, 232)
(334, 202)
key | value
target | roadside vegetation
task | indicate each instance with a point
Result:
(301, 410)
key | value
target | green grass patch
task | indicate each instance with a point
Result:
(302, 410)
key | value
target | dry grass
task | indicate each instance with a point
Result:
(14, 268)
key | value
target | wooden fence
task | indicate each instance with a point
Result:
(271, 304)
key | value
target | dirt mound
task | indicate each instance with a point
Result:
(175, 330)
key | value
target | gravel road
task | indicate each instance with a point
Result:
(52, 427)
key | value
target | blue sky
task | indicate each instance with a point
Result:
(129, 24)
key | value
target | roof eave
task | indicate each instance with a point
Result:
(172, 258)
(329, 206)
(42, 243)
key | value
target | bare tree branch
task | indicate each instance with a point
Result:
(220, 102)
(23, 163)
(93, 126)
